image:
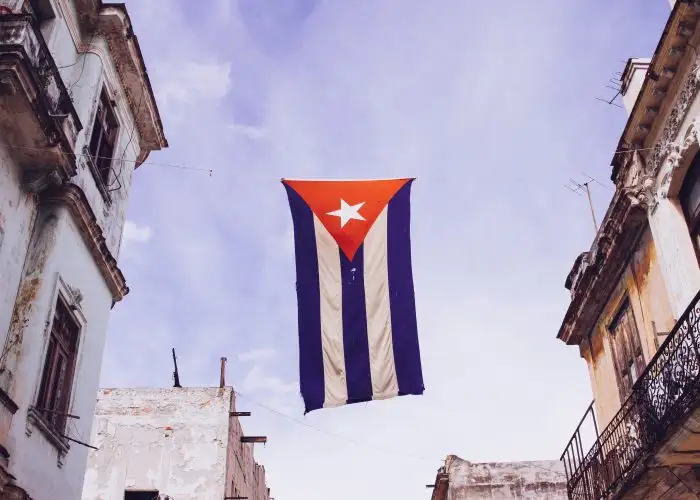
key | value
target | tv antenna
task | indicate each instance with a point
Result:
(579, 188)
(616, 85)
(176, 375)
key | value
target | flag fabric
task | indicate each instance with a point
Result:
(358, 338)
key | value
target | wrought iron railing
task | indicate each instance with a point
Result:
(21, 36)
(665, 393)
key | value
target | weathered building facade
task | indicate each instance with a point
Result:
(460, 479)
(635, 302)
(77, 116)
(179, 443)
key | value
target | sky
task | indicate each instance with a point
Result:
(492, 109)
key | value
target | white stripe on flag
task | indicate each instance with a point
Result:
(331, 289)
(381, 347)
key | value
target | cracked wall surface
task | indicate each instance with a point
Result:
(181, 442)
(532, 480)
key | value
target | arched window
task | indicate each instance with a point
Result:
(690, 201)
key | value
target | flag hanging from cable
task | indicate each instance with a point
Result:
(358, 338)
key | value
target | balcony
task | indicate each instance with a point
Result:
(37, 118)
(651, 448)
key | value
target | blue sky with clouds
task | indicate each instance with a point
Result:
(491, 105)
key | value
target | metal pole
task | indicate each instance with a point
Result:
(590, 203)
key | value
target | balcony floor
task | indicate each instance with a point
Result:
(674, 471)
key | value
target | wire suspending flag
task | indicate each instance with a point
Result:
(358, 338)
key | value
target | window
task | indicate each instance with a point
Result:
(141, 495)
(627, 349)
(103, 139)
(57, 377)
(690, 201)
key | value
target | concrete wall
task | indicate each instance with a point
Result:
(537, 480)
(181, 442)
(643, 283)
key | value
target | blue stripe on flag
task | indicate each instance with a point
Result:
(355, 340)
(401, 294)
(309, 304)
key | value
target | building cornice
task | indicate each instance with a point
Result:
(655, 116)
(75, 200)
(112, 22)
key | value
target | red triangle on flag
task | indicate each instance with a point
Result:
(347, 209)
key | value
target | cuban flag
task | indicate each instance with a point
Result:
(358, 338)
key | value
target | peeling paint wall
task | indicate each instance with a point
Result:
(17, 211)
(179, 441)
(536, 480)
(42, 253)
(643, 284)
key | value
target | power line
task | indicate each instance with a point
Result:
(333, 434)
(168, 165)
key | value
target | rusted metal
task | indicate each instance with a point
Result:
(253, 439)
(663, 395)
(222, 377)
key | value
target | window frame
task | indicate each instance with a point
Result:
(100, 162)
(36, 418)
(636, 357)
(690, 181)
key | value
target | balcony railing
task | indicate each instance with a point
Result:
(664, 395)
(23, 46)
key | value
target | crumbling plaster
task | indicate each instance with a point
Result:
(532, 480)
(182, 442)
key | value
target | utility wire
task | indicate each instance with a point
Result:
(333, 434)
(211, 171)
(168, 165)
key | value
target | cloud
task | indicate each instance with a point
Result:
(256, 355)
(133, 233)
(258, 380)
(191, 82)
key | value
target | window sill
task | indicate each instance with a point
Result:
(35, 418)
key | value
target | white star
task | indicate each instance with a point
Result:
(347, 212)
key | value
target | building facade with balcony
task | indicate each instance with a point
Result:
(635, 301)
(177, 443)
(77, 116)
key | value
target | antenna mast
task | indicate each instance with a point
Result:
(579, 188)
(176, 375)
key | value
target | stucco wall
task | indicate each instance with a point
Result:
(17, 211)
(535, 480)
(85, 74)
(52, 235)
(643, 283)
(34, 460)
(176, 441)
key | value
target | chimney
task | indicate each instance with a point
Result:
(632, 80)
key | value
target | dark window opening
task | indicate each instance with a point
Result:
(690, 201)
(141, 495)
(103, 139)
(57, 378)
(627, 349)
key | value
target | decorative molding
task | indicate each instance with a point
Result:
(675, 120)
(36, 420)
(74, 199)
